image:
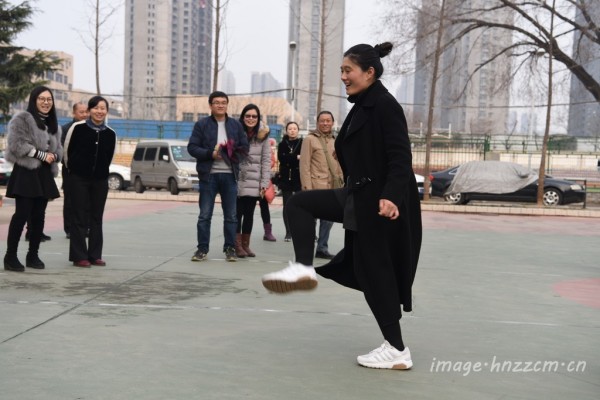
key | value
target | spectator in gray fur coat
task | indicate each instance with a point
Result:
(33, 145)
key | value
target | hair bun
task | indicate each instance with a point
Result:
(383, 49)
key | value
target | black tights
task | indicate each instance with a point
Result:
(245, 213)
(264, 210)
(286, 194)
(26, 208)
(302, 210)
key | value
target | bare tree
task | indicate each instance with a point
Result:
(542, 173)
(99, 30)
(324, 13)
(434, 78)
(220, 13)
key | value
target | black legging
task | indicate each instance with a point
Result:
(245, 213)
(286, 194)
(302, 210)
(264, 210)
(26, 208)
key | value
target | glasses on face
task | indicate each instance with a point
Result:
(45, 100)
(249, 116)
(219, 103)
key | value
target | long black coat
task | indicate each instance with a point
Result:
(380, 256)
(289, 164)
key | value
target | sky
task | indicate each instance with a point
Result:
(256, 36)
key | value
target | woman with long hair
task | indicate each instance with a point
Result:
(255, 175)
(288, 153)
(33, 145)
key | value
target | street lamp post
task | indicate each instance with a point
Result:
(293, 80)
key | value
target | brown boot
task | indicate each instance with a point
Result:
(246, 245)
(269, 233)
(239, 250)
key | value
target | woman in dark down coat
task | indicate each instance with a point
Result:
(89, 149)
(379, 208)
(288, 153)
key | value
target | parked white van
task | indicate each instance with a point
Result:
(163, 164)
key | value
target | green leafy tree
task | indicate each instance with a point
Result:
(19, 73)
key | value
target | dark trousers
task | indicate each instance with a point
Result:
(34, 210)
(264, 210)
(286, 194)
(66, 200)
(245, 213)
(380, 292)
(88, 198)
(301, 212)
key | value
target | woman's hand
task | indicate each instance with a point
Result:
(50, 158)
(262, 192)
(388, 209)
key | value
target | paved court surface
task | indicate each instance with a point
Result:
(506, 307)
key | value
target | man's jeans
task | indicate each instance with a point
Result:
(324, 229)
(226, 186)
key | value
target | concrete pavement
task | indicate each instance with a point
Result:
(506, 307)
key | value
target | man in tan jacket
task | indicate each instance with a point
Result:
(316, 173)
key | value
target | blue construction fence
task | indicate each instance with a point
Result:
(152, 129)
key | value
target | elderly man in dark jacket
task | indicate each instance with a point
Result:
(218, 143)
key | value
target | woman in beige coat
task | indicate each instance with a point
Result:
(319, 169)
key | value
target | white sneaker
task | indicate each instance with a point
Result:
(386, 356)
(293, 277)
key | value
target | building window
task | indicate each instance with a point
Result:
(188, 116)
(271, 119)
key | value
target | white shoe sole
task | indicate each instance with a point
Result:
(280, 286)
(399, 366)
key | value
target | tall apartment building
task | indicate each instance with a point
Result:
(264, 84)
(584, 110)
(476, 102)
(167, 52)
(303, 62)
(405, 94)
(466, 101)
(226, 81)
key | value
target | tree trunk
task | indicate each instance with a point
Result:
(542, 172)
(97, 47)
(321, 56)
(434, 78)
(217, 38)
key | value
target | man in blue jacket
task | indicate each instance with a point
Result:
(218, 143)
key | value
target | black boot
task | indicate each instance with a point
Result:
(12, 263)
(33, 261)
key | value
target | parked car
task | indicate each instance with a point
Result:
(556, 191)
(5, 169)
(420, 183)
(163, 164)
(119, 177)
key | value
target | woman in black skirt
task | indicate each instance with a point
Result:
(89, 149)
(33, 145)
